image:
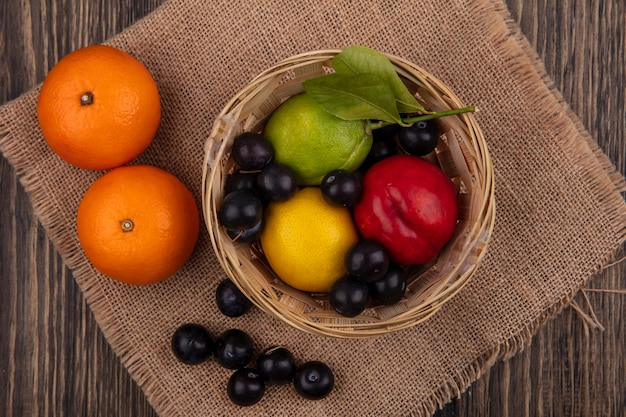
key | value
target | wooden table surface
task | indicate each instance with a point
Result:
(54, 361)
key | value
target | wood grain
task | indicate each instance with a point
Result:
(54, 360)
(571, 370)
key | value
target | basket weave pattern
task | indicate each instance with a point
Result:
(461, 153)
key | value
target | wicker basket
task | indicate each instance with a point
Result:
(462, 154)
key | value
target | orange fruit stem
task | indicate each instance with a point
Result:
(86, 98)
(127, 225)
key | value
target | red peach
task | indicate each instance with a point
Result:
(410, 206)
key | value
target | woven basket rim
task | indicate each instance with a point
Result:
(235, 258)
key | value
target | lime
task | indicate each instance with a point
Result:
(313, 142)
(306, 239)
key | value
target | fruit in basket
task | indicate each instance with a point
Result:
(305, 240)
(410, 206)
(240, 180)
(313, 142)
(349, 296)
(138, 224)
(387, 132)
(251, 151)
(248, 234)
(276, 182)
(350, 93)
(367, 260)
(99, 108)
(240, 209)
(419, 139)
(383, 146)
(341, 187)
(390, 288)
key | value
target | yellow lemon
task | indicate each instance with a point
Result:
(306, 239)
(313, 142)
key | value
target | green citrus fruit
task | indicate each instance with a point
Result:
(305, 240)
(313, 142)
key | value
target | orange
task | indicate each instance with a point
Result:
(305, 240)
(99, 108)
(138, 224)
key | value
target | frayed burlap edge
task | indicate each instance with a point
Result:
(82, 270)
(604, 181)
(72, 256)
(525, 65)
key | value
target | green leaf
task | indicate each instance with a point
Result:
(357, 59)
(354, 97)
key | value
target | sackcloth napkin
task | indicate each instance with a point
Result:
(560, 215)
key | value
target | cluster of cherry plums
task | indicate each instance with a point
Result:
(372, 274)
(193, 344)
(259, 179)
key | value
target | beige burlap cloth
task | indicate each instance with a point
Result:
(560, 215)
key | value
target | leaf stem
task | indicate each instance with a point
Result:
(422, 117)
